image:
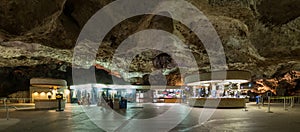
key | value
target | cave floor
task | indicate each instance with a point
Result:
(152, 117)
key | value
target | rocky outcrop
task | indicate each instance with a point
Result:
(256, 36)
(17, 78)
(281, 85)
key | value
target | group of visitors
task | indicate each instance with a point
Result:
(85, 100)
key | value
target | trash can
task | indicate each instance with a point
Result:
(123, 104)
(116, 104)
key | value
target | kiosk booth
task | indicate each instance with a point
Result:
(90, 94)
(167, 94)
(220, 89)
(43, 92)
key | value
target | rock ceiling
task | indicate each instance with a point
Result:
(260, 36)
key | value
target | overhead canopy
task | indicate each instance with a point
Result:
(48, 82)
(218, 77)
(112, 86)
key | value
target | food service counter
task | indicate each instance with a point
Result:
(48, 104)
(167, 100)
(217, 102)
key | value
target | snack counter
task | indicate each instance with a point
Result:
(217, 102)
(167, 100)
(48, 103)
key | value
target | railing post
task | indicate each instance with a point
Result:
(245, 105)
(269, 101)
(284, 103)
(7, 112)
(262, 101)
(292, 101)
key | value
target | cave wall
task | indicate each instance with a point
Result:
(14, 79)
(281, 85)
(260, 36)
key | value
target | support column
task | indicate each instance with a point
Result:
(238, 89)
(206, 90)
(213, 89)
(194, 91)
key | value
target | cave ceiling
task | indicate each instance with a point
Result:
(260, 36)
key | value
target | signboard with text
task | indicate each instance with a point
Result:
(59, 96)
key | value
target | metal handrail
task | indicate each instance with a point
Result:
(6, 101)
(15, 100)
(6, 107)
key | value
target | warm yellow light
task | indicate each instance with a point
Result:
(54, 91)
(43, 94)
(35, 93)
(67, 91)
(49, 93)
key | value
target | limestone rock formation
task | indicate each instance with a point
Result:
(261, 36)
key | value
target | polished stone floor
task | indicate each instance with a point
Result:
(151, 117)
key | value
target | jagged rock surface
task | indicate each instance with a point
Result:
(255, 34)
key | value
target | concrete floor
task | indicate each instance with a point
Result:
(152, 118)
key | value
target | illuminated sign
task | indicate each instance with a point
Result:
(59, 96)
